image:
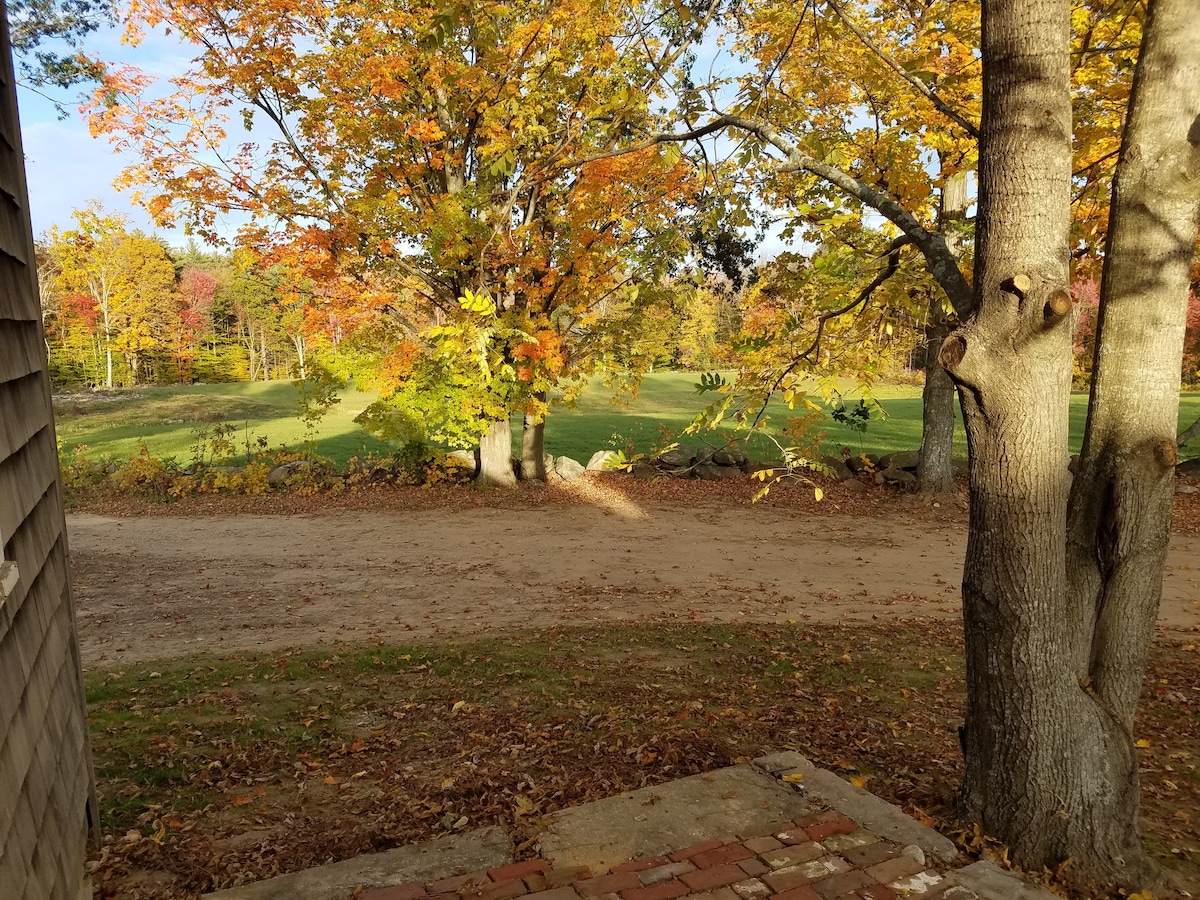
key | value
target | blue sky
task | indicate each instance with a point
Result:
(65, 166)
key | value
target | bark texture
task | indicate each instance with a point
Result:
(495, 457)
(533, 446)
(935, 470)
(1049, 762)
(1120, 514)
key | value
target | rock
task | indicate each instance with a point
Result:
(913, 852)
(568, 468)
(756, 465)
(1073, 464)
(468, 458)
(1186, 489)
(681, 472)
(548, 462)
(704, 455)
(1189, 467)
(600, 460)
(895, 476)
(709, 472)
(854, 486)
(674, 459)
(644, 471)
(856, 464)
(281, 474)
(902, 459)
(729, 457)
(837, 467)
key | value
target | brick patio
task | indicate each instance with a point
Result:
(821, 856)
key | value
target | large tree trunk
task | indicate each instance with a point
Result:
(1057, 636)
(533, 446)
(935, 470)
(1120, 513)
(1049, 769)
(495, 457)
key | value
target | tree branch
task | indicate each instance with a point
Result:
(938, 259)
(893, 257)
(917, 84)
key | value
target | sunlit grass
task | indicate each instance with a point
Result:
(168, 420)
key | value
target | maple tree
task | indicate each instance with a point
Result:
(426, 154)
(197, 291)
(41, 30)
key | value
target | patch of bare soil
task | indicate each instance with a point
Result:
(390, 568)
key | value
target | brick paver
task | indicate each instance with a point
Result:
(754, 866)
(719, 856)
(664, 872)
(800, 892)
(458, 883)
(663, 890)
(689, 852)
(397, 892)
(718, 876)
(519, 870)
(562, 893)
(608, 884)
(637, 865)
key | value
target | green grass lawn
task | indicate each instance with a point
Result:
(168, 420)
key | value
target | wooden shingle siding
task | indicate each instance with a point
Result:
(45, 762)
(17, 397)
(24, 348)
(26, 475)
(32, 549)
(12, 275)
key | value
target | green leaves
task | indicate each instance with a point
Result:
(504, 165)
(711, 381)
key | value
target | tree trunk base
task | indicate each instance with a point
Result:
(935, 471)
(533, 448)
(495, 457)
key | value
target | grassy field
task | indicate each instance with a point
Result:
(169, 419)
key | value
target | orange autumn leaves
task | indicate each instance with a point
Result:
(545, 353)
(404, 156)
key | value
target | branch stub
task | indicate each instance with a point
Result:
(1058, 305)
(1019, 284)
(954, 348)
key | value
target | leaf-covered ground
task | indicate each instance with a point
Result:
(215, 771)
(837, 499)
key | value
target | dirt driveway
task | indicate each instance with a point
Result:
(160, 587)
